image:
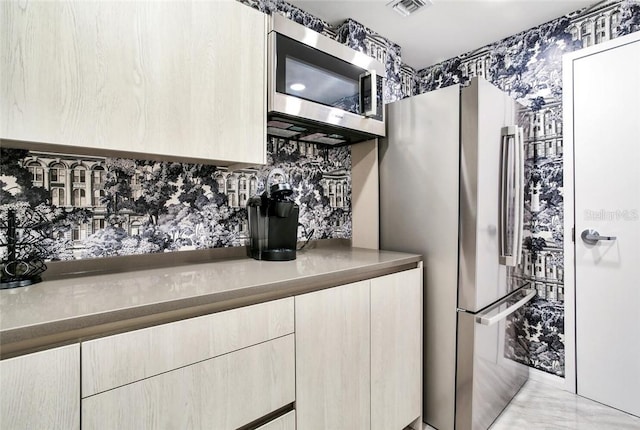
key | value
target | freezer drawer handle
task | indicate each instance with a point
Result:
(485, 320)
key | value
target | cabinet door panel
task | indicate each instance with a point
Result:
(41, 390)
(228, 81)
(113, 361)
(164, 79)
(222, 393)
(332, 358)
(34, 97)
(141, 95)
(98, 74)
(396, 349)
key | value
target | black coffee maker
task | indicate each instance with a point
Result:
(273, 222)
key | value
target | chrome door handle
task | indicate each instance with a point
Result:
(592, 237)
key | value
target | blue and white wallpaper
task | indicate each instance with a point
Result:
(99, 207)
(103, 207)
(293, 13)
(528, 66)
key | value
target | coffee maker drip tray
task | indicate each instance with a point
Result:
(280, 254)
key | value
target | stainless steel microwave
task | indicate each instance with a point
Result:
(319, 90)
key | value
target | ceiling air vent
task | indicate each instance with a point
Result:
(407, 7)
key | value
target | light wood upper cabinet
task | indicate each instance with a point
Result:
(396, 349)
(228, 81)
(41, 390)
(332, 358)
(168, 80)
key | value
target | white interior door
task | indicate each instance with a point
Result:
(606, 109)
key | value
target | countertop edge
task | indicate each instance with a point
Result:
(23, 340)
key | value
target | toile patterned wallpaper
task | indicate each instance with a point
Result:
(528, 66)
(102, 207)
(99, 207)
(134, 206)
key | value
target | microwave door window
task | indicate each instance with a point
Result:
(319, 85)
(309, 74)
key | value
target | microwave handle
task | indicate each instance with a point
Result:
(373, 109)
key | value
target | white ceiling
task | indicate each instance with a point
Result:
(446, 28)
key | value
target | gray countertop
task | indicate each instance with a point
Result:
(68, 310)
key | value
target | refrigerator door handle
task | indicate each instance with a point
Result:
(511, 195)
(486, 320)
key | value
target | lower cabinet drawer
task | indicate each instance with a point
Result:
(114, 361)
(285, 422)
(221, 393)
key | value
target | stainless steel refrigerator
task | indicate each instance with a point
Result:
(451, 189)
